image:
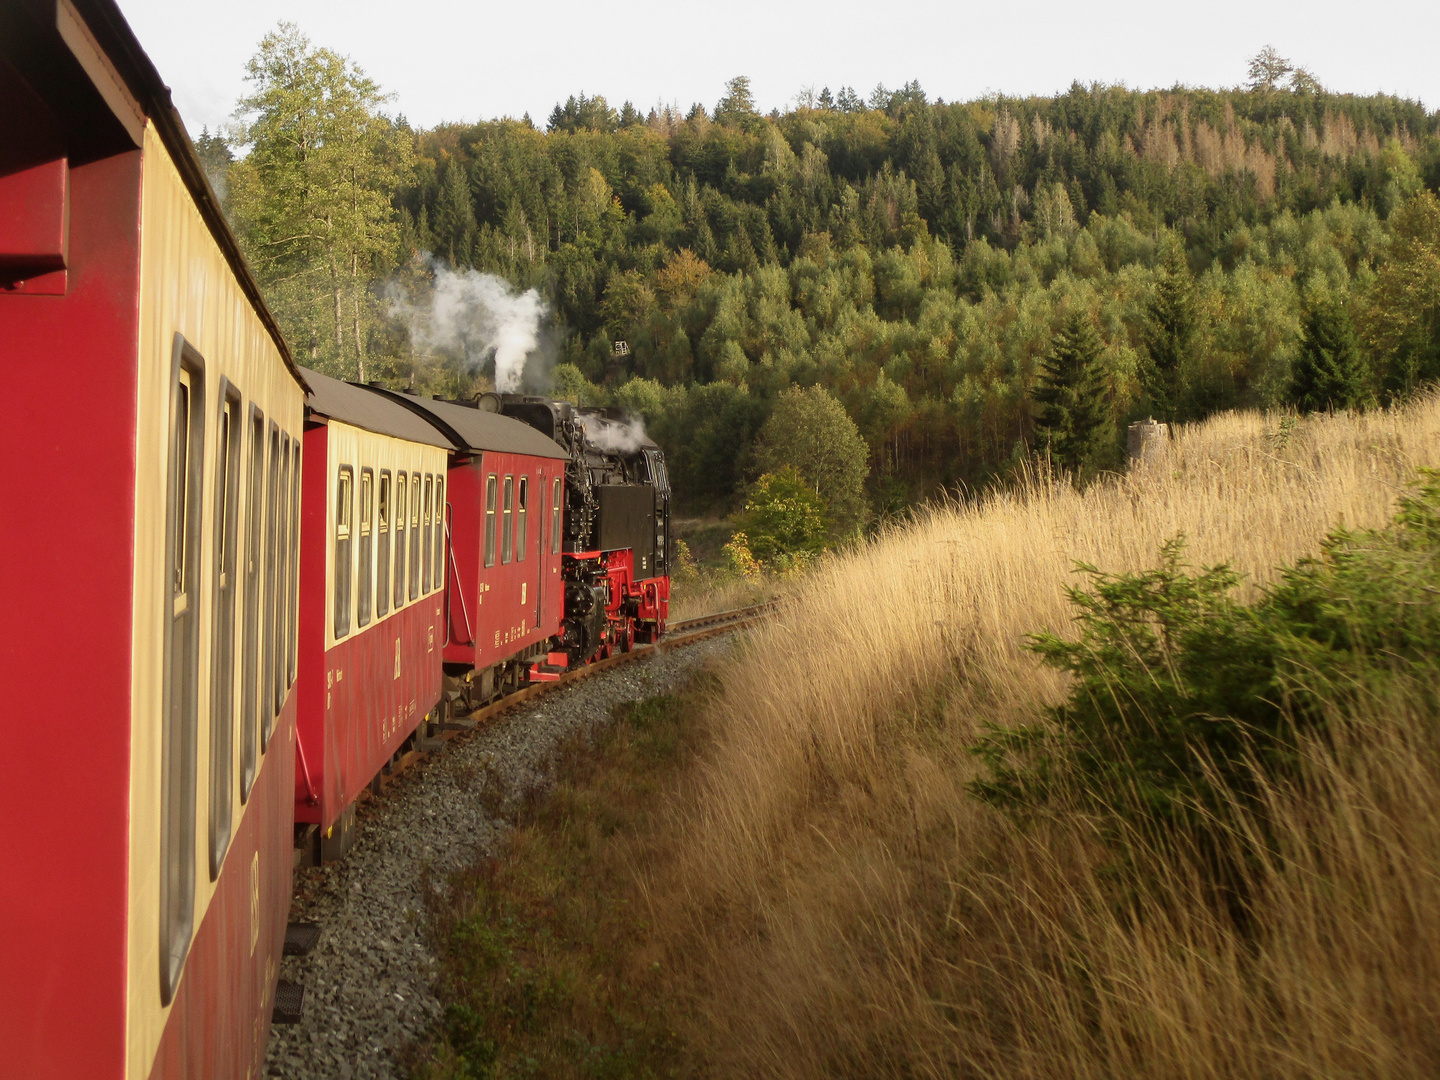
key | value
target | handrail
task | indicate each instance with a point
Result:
(310, 797)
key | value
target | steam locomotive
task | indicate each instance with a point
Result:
(617, 523)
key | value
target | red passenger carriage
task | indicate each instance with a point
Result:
(151, 439)
(505, 594)
(373, 556)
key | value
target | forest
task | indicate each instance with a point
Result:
(973, 282)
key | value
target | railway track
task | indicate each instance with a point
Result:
(678, 635)
(370, 978)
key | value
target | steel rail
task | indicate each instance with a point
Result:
(690, 631)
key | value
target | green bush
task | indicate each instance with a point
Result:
(784, 521)
(1183, 697)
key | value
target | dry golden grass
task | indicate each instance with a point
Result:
(708, 592)
(843, 907)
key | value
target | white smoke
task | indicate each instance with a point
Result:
(612, 435)
(469, 315)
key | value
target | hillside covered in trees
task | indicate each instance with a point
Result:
(917, 259)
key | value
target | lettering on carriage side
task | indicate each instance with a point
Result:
(523, 586)
(254, 901)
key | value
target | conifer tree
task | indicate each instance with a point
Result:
(216, 159)
(455, 216)
(738, 104)
(1328, 372)
(1071, 393)
(1169, 332)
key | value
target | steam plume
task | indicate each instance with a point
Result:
(469, 315)
(612, 435)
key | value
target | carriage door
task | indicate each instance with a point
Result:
(540, 518)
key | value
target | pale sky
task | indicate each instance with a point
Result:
(459, 60)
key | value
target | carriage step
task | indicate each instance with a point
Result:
(551, 668)
(289, 1003)
(300, 938)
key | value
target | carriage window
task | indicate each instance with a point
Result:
(280, 614)
(382, 547)
(429, 548)
(344, 481)
(439, 579)
(254, 565)
(490, 520)
(367, 506)
(521, 523)
(555, 516)
(227, 583)
(292, 612)
(400, 532)
(507, 521)
(267, 652)
(415, 537)
(180, 715)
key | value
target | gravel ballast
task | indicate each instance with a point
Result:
(369, 979)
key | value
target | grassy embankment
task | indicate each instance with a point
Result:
(794, 879)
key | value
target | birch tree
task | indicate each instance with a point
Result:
(311, 200)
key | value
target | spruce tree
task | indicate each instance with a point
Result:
(1169, 331)
(1073, 414)
(1328, 372)
(215, 158)
(455, 215)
